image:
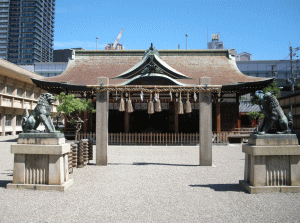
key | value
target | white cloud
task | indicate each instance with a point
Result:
(76, 44)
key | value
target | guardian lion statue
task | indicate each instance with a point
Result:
(275, 121)
(40, 114)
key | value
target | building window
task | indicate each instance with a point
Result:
(35, 95)
(20, 92)
(19, 120)
(9, 89)
(8, 120)
(6, 102)
(28, 94)
(1, 88)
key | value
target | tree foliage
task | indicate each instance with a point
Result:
(255, 114)
(71, 106)
(257, 98)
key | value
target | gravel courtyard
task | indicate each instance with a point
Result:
(148, 184)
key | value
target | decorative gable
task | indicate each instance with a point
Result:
(152, 69)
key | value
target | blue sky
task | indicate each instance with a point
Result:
(260, 27)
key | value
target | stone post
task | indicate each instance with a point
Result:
(205, 122)
(3, 118)
(102, 107)
(14, 122)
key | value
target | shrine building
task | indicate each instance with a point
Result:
(157, 90)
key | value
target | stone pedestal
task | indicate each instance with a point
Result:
(41, 162)
(272, 164)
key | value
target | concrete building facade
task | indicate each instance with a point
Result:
(26, 31)
(17, 93)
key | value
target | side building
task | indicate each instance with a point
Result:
(279, 69)
(17, 93)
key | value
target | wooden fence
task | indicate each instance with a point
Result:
(156, 138)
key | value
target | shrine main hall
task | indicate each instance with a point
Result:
(156, 91)
(168, 76)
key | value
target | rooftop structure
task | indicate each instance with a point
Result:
(215, 42)
(63, 55)
(118, 47)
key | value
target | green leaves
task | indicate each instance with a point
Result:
(273, 89)
(255, 114)
(70, 105)
(257, 98)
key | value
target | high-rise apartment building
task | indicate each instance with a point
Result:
(26, 30)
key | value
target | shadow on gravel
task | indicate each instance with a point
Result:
(3, 183)
(9, 140)
(222, 187)
(159, 164)
(7, 174)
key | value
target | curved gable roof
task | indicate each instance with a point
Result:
(216, 64)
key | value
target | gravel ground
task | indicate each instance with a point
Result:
(148, 184)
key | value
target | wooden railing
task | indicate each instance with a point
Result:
(90, 135)
(156, 138)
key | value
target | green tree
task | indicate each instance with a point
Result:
(257, 98)
(254, 115)
(72, 107)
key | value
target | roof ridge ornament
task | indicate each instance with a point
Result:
(151, 52)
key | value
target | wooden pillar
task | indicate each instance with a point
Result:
(91, 123)
(237, 101)
(205, 125)
(218, 114)
(102, 106)
(126, 122)
(85, 124)
(176, 123)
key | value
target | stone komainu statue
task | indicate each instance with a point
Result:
(275, 120)
(40, 114)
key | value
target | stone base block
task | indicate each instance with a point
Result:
(269, 189)
(62, 187)
(273, 139)
(53, 138)
(272, 164)
(41, 167)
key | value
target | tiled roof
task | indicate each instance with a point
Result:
(246, 106)
(13, 71)
(217, 64)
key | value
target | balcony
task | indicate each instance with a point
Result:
(33, 5)
(32, 20)
(32, 25)
(12, 56)
(32, 10)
